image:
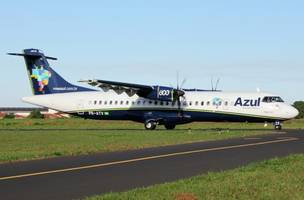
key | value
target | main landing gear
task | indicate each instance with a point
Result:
(151, 125)
(170, 126)
(277, 125)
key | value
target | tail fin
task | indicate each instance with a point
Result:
(43, 79)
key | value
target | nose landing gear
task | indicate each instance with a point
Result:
(277, 125)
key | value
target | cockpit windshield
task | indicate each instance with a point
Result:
(272, 99)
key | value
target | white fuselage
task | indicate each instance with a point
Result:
(230, 103)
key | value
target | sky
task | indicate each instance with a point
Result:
(246, 44)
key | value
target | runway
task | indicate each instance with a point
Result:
(80, 176)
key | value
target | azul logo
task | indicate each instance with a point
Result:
(42, 76)
(247, 102)
(217, 101)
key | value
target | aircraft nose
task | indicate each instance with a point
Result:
(293, 112)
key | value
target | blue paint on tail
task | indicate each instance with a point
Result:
(43, 78)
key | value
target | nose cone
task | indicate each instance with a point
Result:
(292, 112)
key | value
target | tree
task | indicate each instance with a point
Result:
(36, 114)
(300, 106)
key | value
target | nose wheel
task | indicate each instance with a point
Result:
(277, 125)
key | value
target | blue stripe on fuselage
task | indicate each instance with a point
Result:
(143, 115)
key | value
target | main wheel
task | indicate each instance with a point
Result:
(150, 125)
(170, 126)
(277, 127)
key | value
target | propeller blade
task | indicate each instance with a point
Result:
(177, 80)
(183, 82)
(178, 93)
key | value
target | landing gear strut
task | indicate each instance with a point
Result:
(277, 125)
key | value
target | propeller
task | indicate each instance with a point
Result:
(178, 93)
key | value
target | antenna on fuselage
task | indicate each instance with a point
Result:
(214, 87)
(217, 82)
(212, 84)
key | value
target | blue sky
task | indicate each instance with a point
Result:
(247, 44)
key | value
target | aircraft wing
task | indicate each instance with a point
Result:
(129, 88)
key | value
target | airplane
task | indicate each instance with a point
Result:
(150, 105)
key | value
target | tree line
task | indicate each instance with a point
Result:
(300, 106)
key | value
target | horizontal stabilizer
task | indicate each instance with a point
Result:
(30, 55)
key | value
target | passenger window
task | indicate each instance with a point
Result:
(138, 102)
(161, 103)
(116, 102)
(121, 102)
(226, 103)
(155, 102)
(202, 103)
(150, 102)
(196, 103)
(95, 102)
(105, 102)
(208, 103)
(127, 102)
(167, 103)
(110, 102)
(100, 102)
(190, 103)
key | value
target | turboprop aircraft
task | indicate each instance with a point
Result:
(151, 105)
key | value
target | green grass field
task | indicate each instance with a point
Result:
(76, 123)
(34, 139)
(278, 179)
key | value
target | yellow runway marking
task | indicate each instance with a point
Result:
(145, 158)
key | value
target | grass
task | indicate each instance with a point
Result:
(278, 179)
(35, 139)
(75, 123)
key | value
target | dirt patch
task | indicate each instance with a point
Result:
(185, 196)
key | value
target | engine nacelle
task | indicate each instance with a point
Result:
(161, 93)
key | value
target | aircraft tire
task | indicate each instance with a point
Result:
(170, 126)
(150, 125)
(278, 127)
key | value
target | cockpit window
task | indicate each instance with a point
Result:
(272, 99)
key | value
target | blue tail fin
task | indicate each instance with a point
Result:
(43, 78)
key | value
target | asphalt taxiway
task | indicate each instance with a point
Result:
(79, 176)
